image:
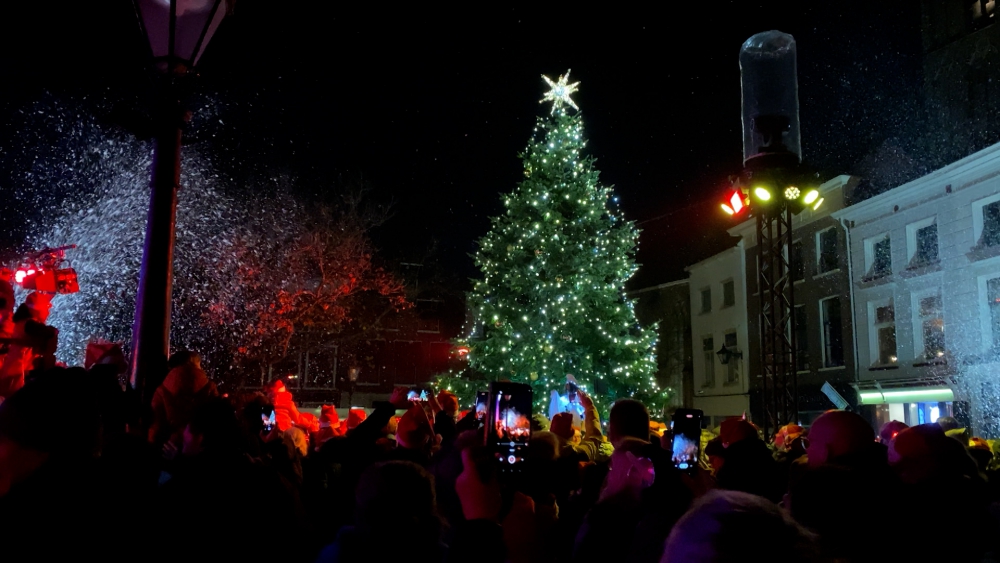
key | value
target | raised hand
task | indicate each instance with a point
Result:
(480, 501)
(399, 399)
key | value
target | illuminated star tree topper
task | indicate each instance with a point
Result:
(560, 92)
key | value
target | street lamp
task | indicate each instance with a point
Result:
(178, 32)
(725, 354)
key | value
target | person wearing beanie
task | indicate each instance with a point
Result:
(32, 343)
(414, 436)
(6, 313)
(329, 425)
(589, 446)
(787, 435)
(355, 417)
(446, 419)
(286, 414)
(733, 430)
(890, 430)
(185, 388)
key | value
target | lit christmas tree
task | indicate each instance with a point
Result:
(552, 299)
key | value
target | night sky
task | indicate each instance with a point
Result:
(431, 106)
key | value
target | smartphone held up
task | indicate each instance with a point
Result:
(508, 424)
(482, 402)
(685, 427)
(268, 421)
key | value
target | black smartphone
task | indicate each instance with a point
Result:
(685, 427)
(508, 424)
(268, 421)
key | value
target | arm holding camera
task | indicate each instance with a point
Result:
(370, 428)
(479, 494)
(592, 437)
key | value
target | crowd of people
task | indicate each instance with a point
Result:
(254, 478)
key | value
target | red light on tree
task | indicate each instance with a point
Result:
(462, 351)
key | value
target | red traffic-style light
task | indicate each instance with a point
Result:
(735, 203)
(62, 280)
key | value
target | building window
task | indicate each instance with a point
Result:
(796, 263)
(993, 300)
(931, 326)
(733, 367)
(986, 221)
(801, 339)
(878, 256)
(826, 250)
(833, 333)
(922, 243)
(429, 325)
(728, 293)
(708, 351)
(706, 300)
(991, 224)
(883, 317)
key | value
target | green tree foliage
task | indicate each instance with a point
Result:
(551, 301)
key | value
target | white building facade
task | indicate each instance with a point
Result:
(719, 324)
(925, 277)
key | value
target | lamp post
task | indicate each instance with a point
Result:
(178, 32)
(725, 354)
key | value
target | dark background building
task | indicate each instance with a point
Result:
(668, 305)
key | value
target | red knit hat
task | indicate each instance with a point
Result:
(448, 401)
(328, 416)
(735, 429)
(355, 417)
(413, 429)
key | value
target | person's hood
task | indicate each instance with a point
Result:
(185, 379)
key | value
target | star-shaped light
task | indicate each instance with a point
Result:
(560, 92)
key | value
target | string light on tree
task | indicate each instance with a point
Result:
(554, 264)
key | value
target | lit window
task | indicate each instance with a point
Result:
(993, 298)
(833, 333)
(931, 320)
(884, 331)
(733, 372)
(878, 256)
(927, 244)
(826, 246)
(991, 224)
(922, 243)
(708, 351)
(728, 294)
